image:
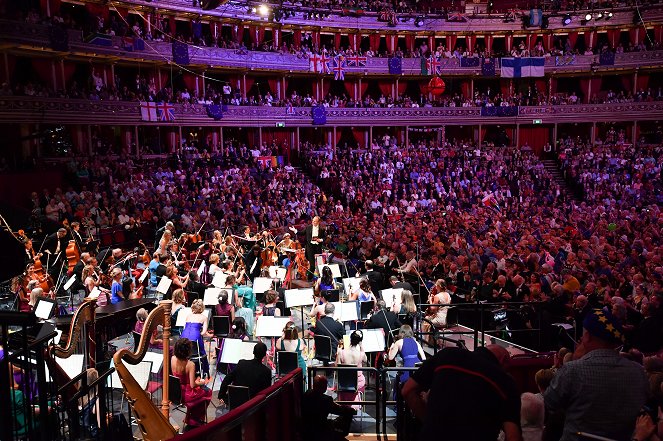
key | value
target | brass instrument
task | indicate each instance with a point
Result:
(154, 425)
(84, 316)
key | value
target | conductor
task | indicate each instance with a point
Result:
(315, 236)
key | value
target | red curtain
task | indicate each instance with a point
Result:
(375, 41)
(252, 33)
(273, 86)
(54, 5)
(261, 34)
(350, 88)
(535, 137)
(44, 68)
(316, 38)
(249, 85)
(189, 80)
(573, 37)
(584, 87)
(402, 86)
(409, 42)
(339, 133)
(297, 38)
(359, 134)
(451, 42)
(596, 85)
(325, 87)
(643, 81)
(124, 12)
(423, 86)
(390, 43)
(627, 83)
(97, 10)
(465, 88)
(633, 35)
(363, 89)
(279, 136)
(541, 85)
(385, 86)
(613, 37)
(172, 25)
(337, 40)
(236, 32)
(505, 85)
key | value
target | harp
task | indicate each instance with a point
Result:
(153, 424)
(81, 323)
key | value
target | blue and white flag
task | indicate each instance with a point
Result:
(523, 67)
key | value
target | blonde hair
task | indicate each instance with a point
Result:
(197, 307)
(408, 301)
(214, 258)
(178, 296)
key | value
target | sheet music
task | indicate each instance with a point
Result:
(201, 269)
(94, 294)
(234, 350)
(262, 284)
(346, 311)
(277, 272)
(143, 276)
(373, 340)
(211, 297)
(69, 282)
(219, 279)
(391, 296)
(184, 314)
(163, 285)
(298, 297)
(335, 269)
(269, 326)
(72, 365)
(44, 308)
(351, 284)
(156, 359)
(140, 372)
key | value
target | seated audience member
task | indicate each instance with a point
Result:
(195, 397)
(250, 373)
(316, 407)
(531, 416)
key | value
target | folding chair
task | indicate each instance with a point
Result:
(136, 339)
(237, 395)
(286, 362)
(347, 381)
(221, 326)
(323, 348)
(175, 393)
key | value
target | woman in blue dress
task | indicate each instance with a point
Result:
(291, 342)
(194, 329)
(326, 280)
(409, 349)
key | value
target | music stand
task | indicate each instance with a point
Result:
(365, 309)
(346, 311)
(298, 298)
(271, 326)
(45, 308)
(350, 284)
(391, 296)
(332, 295)
(211, 297)
(219, 279)
(262, 284)
(373, 341)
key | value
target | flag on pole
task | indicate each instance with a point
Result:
(165, 112)
(148, 111)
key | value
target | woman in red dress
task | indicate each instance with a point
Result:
(195, 396)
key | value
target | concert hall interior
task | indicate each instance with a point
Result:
(331, 219)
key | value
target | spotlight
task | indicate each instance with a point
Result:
(254, 10)
(588, 16)
(567, 20)
(599, 15)
(419, 22)
(263, 10)
(608, 15)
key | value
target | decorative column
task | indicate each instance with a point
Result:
(221, 139)
(244, 86)
(370, 137)
(407, 136)
(137, 141)
(517, 135)
(593, 134)
(479, 137)
(259, 137)
(634, 134)
(54, 78)
(89, 140)
(334, 140)
(635, 81)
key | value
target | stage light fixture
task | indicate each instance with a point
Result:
(254, 10)
(608, 15)
(567, 20)
(263, 10)
(588, 16)
(419, 21)
(599, 16)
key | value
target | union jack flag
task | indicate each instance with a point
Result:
(433, 66)
(165, 112)
(456, 17)
(325, 60)
(356, 60)
(339, 68)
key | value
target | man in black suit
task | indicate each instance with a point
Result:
(386, 320)
(316, 407)
(329, 327)
(253, 262)
(54, 250)
(194, 289)
(315, 236)
(374, 277)
(250, 373)
(395, 284)
(157, 235)
(391, 265)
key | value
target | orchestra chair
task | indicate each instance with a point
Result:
(221, 326)
(347, 381)
(237, 395)
(286, 362)
(175, 393)
(323, 349)
(136, 339)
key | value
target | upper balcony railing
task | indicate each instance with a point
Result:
(368, 20)
(69, 111)
(37, 36)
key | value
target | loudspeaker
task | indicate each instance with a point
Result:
(208, 5)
